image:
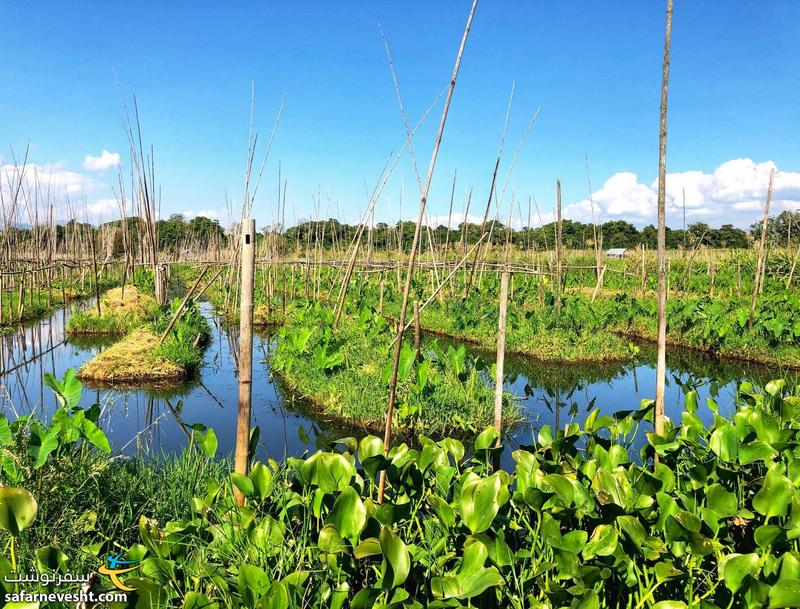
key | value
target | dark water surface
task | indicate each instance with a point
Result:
(152, 420)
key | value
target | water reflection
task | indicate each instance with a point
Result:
(158, 420)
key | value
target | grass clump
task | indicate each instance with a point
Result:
(346, 373)
(119, 313)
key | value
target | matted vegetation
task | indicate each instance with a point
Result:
(345, 373)
(120, 312)
(134, 358)
(141, 356)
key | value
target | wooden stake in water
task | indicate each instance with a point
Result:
(501, 353)
(245, 350)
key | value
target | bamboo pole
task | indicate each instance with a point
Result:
(387, 436)
(759, 277)
(245, 352)
(661, 363)
(559, 246)
(501, 353)
(178, 312)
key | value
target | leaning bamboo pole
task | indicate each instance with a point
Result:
(387, 436)
(758, 280)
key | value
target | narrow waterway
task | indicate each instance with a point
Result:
(154, 420)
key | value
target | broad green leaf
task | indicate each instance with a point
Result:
(481, 500)
(775, 495)
(603, 542)
(486, 439)
(736, 567)
(725, 442)
(261, 477)
(348, 515)
(17, 509)
(396, 559)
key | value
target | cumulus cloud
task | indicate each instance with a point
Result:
(733, 193)
(106, 160)
(52, 178)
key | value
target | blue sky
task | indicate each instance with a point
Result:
(594, 68)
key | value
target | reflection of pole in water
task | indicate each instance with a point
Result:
(558, 409)
(635, 383)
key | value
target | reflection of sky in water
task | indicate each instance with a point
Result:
(155, 420)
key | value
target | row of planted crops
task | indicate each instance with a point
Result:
(597, 513)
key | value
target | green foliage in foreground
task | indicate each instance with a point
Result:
(346, 374)
(579, 523)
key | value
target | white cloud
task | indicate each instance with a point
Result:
(207, 213)
(103, 209)
(50, 179)
(106, 160)
(734, 193)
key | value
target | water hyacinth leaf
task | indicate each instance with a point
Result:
(486, 439)
(669, 605)
(17, 509)
(368, 547)
(348, 515)
(330, 541)
(603, 542)
(196, 600)
(481, 500)
(261, 477)
(785, 593)
(561, 486)
(775, 495)
(724, 441)
(721, 501)
(253, 582)
(756, 451)
(243, 483)
(736, 567)
(329, 471)
(369, 447)
(365, 599)
(396, 559)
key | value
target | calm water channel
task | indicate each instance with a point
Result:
(147, 420)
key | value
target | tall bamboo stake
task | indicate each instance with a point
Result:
(661, 363)
(501, 354)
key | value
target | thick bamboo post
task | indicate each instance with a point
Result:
(661, 362)
(245, 350)
(501, 353)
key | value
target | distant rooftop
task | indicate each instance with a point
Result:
(616, 252)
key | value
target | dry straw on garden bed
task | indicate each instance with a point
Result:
(132, 359)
